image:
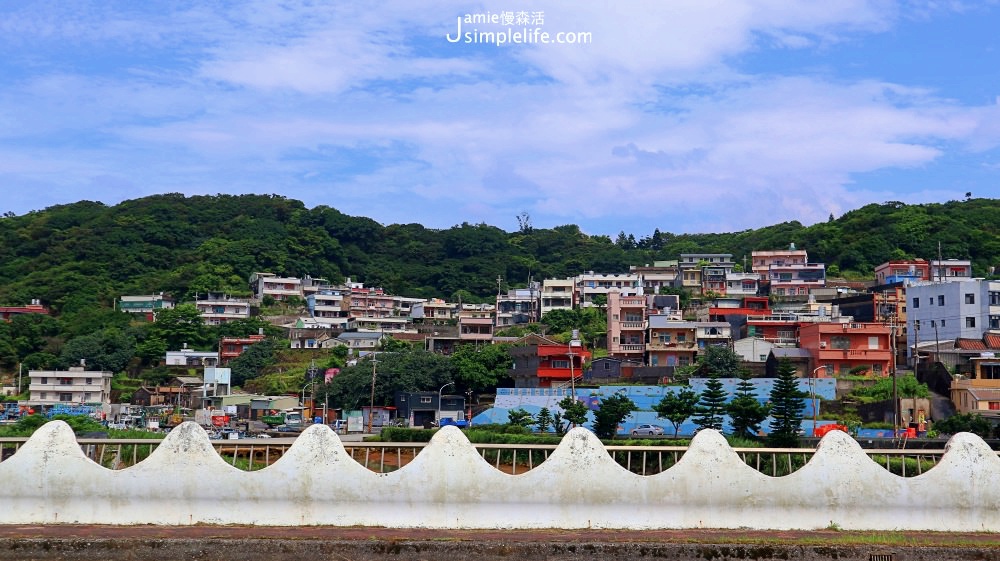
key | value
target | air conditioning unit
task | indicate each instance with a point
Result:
(822, 344)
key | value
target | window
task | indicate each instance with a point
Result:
(65, 397)
(941, 300)
(665, 338)
(994, 405)
(607, 365)
(45, 381)
(943, 322)
(90, 381)
(762, 358)
(916, 302)
(970, 321)
(560, 364)
(681, 337)
(970, 298)
(426, 399)
(994, 298)
(916, 324)
(994, 322)
(873, 342)
(65, 381)
(86, 396)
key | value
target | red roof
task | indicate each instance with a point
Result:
(970, 344)
(992, 340)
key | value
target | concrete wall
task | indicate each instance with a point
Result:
(449, 485)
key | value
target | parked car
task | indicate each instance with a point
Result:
(651, 430)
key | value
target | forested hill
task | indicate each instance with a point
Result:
(77, 255)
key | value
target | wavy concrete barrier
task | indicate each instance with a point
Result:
(448, 485)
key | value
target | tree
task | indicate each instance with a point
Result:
(544, 420)
(677, 407)
(574, 411)
(481, 368)
(408, 370)
(720, 361)
(965, 422)
(179, 326)
(520, 418)
(252, 361)
(109, 350)
(787, 406)
(745, 411)
(612, 411)
(712, 405)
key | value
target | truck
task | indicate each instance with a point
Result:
(291, 417)
(451, 421)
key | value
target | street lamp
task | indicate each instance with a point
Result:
(439, 400)
(812, 391)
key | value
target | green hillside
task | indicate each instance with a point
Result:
(87, 253)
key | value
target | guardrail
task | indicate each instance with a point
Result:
(383, 457)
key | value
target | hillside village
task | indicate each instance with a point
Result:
(927, 316)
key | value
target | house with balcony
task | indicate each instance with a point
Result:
(475, 323)
(557, 294)
(191, 357)
(626, 326)
(547, 365)
(741, 284)
(671, 342)
(947, 270)
(980, 391)
(661, 274)
(796, 280)
(713, 333)
(75, 386)
(330, 306)
(518, 306)
(232, 347)
(763, 260)
(905, 271)
(434, 311)
(842, 347)
(590, 284)
(279, 288)
(217, 309)
(370, 303)
(700, 273)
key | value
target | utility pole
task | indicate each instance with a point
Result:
(371, 407)
(892, 372)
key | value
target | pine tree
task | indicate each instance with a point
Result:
(712, 405)
(543, 421)
(787, 406)
(611, 413)
(745, 410)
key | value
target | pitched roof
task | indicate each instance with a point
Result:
(984, 394)
(992, 340)
(970, 344)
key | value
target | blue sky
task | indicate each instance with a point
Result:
(687, 116)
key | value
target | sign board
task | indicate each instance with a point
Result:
(355, 424)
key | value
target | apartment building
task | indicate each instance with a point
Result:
(216, 309)
(704, 272)
(626, 326)
(279, 288)
(331, 306)
(75, 386)
(518, 306)
(661, 274)
(557, 294)
(591, 284)
(957, 309)
(842, 347)
(671, 342)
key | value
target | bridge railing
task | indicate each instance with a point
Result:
(383, 457)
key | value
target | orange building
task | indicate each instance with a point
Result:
(545, 365)
(841, 347)
(232, 347)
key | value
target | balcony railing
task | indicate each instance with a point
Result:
(633, 325)
(252, 454)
